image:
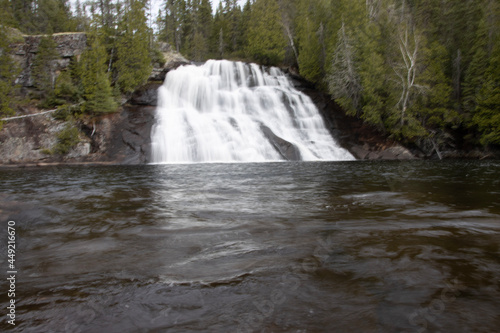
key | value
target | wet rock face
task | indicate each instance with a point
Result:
(363, 141)
(146, 95)
(130, 142)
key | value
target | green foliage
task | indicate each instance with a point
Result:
(157, 57)
(42, 16)
(43, 72)
(65, 88)
(309, 52)
(133, 65)
(67, 138)
(477, 69)
(266, 41)
(8, 72)
(435, 104)
(97, 91)
(487, 113)
(7, 14)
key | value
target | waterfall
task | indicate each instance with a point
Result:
(227, 111)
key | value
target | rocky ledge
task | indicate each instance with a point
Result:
(118, 138)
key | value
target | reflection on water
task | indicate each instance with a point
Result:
(279, 247)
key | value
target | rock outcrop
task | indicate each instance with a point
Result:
(172, 59)
(118, 138)
(30, 140)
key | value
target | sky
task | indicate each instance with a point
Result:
(215, 4)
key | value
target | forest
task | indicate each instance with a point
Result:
(424, 72)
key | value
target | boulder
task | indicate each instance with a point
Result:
(286, 149)
(400, 153)
(359, 152)
(173, 60)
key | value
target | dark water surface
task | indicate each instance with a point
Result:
(278, 247)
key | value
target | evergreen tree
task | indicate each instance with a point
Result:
(24, 15)
(173, 23)
(219, 30)
(133, 65)
(435, 104)
(43, 72)
(476, 70)
(266, 40)
(487, 113)
(309, 49)
(246, 16)
(53, 16)
(484, 101)
(7, 14)
(8, 72)
(373, 76)
(97, 92)
(309, 53)
(203, 30)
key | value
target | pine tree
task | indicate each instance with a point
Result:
(435, 102)
(486, 114)
(476, 70)
(7, 14)
(43, 72)
(134, 61)
(309, 52)
(308, 48)
(97, 91)
(204, 28)
(173, 23)
(24, 15)
(372, 71)
(8, 72)
(246, 16)
(266, 40)
(53, 16)
(219, 30)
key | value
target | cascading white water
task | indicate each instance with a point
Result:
(228, 111)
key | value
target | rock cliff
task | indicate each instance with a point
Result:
(69, 45)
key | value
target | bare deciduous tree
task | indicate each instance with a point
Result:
(408, 43)
(344, 82)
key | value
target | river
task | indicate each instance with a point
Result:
(269, 247)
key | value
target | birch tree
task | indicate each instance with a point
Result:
(406, 70)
